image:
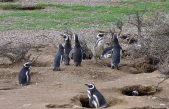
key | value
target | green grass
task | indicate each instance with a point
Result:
(72, 16)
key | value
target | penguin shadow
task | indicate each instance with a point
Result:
(58, 106)
(7, 88)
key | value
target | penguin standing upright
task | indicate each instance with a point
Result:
(99, 46)
(78, 54)
(96, 99)
(67, 49)
(116, 52)
(58, 58)
(24, 75)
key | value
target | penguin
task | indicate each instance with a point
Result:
(135, 93)
(78, 53)
(24, 75)
(116, 52)
(96, 99)
(67, 49)
(107, 52)
(58, 58)
(99, 46)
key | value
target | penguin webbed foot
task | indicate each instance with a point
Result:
(56, 69)
(24, 85)
(78, 64)
(115, 66)
(112, 66)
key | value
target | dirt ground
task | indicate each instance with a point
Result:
(66, 89)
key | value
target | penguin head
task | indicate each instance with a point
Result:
(115, 39)
(135, 93)
(77, 43)
(76, 37)
(61, 47)
(91, 86)
(27, 64)
(66, 38)
(100, 35)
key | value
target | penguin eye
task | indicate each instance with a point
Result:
(91, 86)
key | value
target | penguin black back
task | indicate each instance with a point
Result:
(116, 41)
(96, 99)
(77, 43)
(58, 58)
(116, 52)
(67, 49)
(78, 54)
(24, 75)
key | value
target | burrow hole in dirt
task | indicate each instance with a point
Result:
(83, 101)
(139, 90)
(58, 106)
(31, 8)
(51, 106)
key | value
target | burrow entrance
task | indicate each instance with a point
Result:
(59, 106)
(139, 90)
(81, 101)
(84, 101)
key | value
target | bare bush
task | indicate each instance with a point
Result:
(137, 21)
(16, 52)
(156, 40)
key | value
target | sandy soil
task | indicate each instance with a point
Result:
(66, 89)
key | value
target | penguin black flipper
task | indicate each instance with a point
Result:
(23, 78)
(78, 56)
(116, 52)
(78, 53)
(101, 101)
(67, 49)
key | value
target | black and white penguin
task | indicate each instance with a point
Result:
(78, 53)
(107, 52)
(67, 49)
(96, 99)
(135, 93)
(24, 75)
(99, 46)
(58, 58)
(116, 52)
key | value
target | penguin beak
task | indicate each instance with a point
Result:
(86, 85)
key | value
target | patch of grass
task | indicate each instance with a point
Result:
(72, 16)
